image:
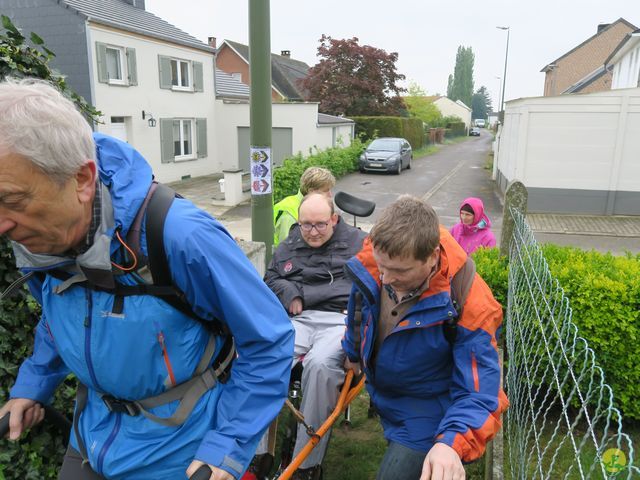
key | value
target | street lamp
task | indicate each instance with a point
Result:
(504, 76)
(499, 91)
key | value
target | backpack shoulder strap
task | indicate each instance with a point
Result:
(157, 210)
(460, 287)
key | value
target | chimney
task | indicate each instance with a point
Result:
(212, 42)
(285, 53)
(135, 3)
(602, 26)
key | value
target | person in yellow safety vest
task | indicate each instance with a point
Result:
(285, 212)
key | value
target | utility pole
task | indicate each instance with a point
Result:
(260, 160)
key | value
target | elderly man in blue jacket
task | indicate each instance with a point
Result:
(159, 396)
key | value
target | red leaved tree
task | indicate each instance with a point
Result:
(353, 79)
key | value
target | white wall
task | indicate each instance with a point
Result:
(130, 101)
(575, 146)
(448, 107)
(626, 72)
(301, 117)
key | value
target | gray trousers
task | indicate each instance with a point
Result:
(318, 336)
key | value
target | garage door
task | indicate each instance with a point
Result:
(282, 147)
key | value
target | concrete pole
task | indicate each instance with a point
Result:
(260, 162)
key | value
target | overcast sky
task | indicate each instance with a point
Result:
(425, 34)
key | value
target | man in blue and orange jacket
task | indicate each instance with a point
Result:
(439, 399)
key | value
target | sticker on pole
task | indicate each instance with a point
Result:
(260, 161)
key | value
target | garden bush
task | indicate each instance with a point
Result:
(339, 160)
(604, 294)
(409, 128)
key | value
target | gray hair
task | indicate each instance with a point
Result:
(39, 123)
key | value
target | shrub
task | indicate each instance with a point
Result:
(339, 160)
(604, 294)
(373, 127)
(456, 129)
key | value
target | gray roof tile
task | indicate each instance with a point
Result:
(119, 14)
(285, 71)
(229, 87)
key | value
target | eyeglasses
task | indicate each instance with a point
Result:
(320, 226)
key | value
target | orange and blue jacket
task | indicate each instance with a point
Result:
(425, 389)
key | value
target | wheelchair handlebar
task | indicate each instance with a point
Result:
(4, 425)
(203, 473)
(51, 414)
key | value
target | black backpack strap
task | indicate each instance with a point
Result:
(460, 287)
(157, 210)
(357, 319)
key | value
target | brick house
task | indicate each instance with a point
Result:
(286, 72)
(582, 69)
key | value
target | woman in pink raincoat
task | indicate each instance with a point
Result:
(474, 229)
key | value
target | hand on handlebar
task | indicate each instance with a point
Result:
(348, 365)
(202, 471)
(24, 414)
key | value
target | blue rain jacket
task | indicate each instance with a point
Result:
(140, 352)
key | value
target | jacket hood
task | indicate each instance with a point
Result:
(126, 178)
(480, 219)
(126, 174)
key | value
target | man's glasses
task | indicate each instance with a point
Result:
(320, 226)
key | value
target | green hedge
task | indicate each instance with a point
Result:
(38, 454)
(373, 127)
(604, 294)
(456, 129)
(339, 160)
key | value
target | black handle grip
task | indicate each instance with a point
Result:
(203, 473)
(4, 425)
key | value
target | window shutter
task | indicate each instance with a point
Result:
(201, 136)
(166, 140)
(131, 66)
(198, 80)
(164, 67)
(101, 60)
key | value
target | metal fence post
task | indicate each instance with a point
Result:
(515, 197)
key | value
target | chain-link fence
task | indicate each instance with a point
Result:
(562, 423)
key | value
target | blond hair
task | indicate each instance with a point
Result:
(316, 179)
(407, 228)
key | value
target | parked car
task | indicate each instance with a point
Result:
(479, 122)
(474, 132)
(386, 154)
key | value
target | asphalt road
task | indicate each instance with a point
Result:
(443, 179)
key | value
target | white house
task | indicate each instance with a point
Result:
(296, 126)
(574, 153)
(449, 108)
(152, 82)
(625, 61)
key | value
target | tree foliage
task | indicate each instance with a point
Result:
(354, 79)
(460, 86)
(481, 103)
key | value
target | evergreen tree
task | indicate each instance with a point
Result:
(481, 103)
(462, 82)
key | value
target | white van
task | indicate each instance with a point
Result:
(479, 122)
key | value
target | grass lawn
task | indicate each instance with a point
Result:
(355, 452)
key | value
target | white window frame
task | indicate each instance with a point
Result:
(123, 65)
(193, 155)
(178, 62)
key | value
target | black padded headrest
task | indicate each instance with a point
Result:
(354, 205)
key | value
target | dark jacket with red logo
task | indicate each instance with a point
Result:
(315, 274)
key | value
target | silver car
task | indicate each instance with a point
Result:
(386, 154)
